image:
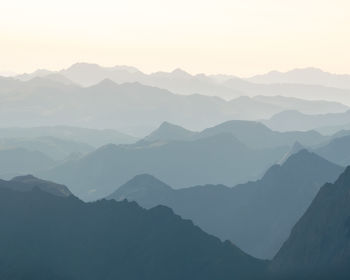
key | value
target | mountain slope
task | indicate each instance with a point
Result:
(169, 132)
(55, 148)
(306, 76)
(217, 159)
(68, 239)
(319, 244)
(21, 161)
(28, 182)
(256, 216)
(296, 121)
(335, 150)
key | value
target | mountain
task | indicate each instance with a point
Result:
(296, 121)
(335, 150)
(130, 107)
(296, 90)
(258, 135)
(319, 244)
(170, 132)
(296, 148)
(334, 129)
(306, 76)
(84, 136)
(27, 183)
(253, 134)
(21, 161)
(181, 82)
(217, 159)
(312, 107)
(256, 216)
(55, 148)
(177, 81)
(49, 237)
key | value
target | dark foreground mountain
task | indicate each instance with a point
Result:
(29, 182)
(219, 159)
(256, 216)
(319, 244)
(62, 238)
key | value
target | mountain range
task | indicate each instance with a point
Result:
(217, 159)
(215, 155)
(19, 161)
(308, 83)
(45, 236)
(256, 216)
(44, 102)
(295, 121)
(305, 76)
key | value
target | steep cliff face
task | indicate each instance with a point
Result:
(319, 244)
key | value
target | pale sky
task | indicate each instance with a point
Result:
(240, 37)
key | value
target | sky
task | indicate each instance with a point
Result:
(239, 37)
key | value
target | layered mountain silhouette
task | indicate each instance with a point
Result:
(296, 121)
(55, 148)
(256, 216)
(18, 161)
(220, 158)
(318, 247)
(28, 183)
(92, 137)
(306, 76)
(302, 83)
(336, 150)
(44, 236)
(44, 102)
(252, 134)
(170, 132)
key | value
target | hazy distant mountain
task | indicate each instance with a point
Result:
(256, 216)
(55, 148)
(336, 150)
(170, 132)
(296, 148)
(296, 90)
(306, 76)
(304, 106)
(177, 81)
(49, 237)
(28, 183)
(92, 137)
(294, 120)
(253, 134)
(335, 129)
(133, 108)
(8, 73)
(217, 159)
(257, 135)
(21, 161)
(38, 73)
(181, 82)
(319, 244)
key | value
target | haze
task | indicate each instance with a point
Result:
(234, 37)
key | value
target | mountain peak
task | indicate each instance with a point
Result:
(140, 186)
(181, 73)
(297, 147)
(169, 132)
